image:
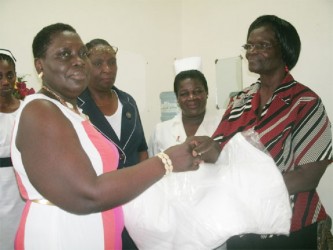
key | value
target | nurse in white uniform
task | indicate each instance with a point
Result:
(190, 87)
(11, 203)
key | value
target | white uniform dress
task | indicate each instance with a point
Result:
(11, 203)
(49, 227)
(202, 209)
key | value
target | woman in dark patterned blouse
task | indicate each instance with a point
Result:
(290, 121)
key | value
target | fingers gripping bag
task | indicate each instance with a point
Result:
(243, 192)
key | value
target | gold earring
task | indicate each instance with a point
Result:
(40, 75)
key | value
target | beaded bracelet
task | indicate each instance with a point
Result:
(166, 161)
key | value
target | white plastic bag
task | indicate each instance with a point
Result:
(243, 192)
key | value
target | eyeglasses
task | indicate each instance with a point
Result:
(258, 46)
(11, 54)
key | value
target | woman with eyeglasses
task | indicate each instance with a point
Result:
(11, 203)
(290, 120)
(112, 111)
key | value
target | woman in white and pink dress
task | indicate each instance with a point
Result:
(66, 169)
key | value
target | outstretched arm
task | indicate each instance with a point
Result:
(61, 171)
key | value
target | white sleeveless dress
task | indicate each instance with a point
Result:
(50, 227)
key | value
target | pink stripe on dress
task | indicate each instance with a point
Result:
(112, 219)
(20, 235)
(19, 239)
(21, 187)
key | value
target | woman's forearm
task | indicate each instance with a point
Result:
(305, 177)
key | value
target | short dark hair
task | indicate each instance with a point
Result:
(192, 74)
(9, 59)
(95, 42)
(285, 33)
(44, 37)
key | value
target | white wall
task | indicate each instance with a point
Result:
(162, 30)
(149, 28)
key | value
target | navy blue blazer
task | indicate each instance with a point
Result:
(132, 139)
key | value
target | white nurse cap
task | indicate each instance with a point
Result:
(188, 63)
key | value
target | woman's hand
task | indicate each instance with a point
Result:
(182, 157)
(205, 147)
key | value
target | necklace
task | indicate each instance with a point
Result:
(66, 104)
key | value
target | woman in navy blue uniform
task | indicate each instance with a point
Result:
(113, 112)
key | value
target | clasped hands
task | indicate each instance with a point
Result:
(205, 147)
(195, 150)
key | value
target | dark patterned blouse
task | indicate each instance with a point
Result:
(293, 127)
